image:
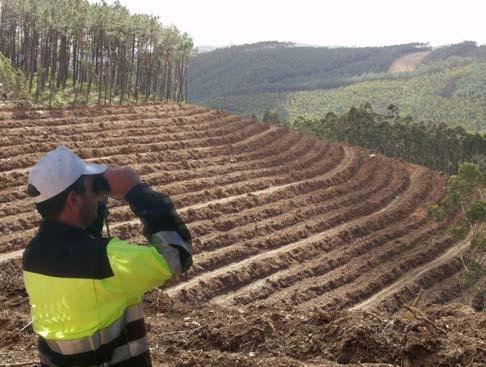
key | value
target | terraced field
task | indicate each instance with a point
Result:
(279, 219)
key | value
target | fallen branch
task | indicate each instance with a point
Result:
(20, 364)
(376, 316)
(26, 326)
(421, 317)
(417, 299)
(181, 331)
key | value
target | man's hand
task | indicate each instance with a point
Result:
(121, 181)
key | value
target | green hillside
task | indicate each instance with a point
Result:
(464, 49)
(451, 91)
(276, 67)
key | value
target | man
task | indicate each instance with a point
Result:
(85, 291)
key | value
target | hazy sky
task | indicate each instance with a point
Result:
(327, 23)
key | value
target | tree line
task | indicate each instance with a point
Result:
(462, 49)
(464, 196)
(436, 146)
(98, 51)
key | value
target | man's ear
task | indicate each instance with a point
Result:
(72, 200)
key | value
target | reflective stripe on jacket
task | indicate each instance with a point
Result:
(85, 291)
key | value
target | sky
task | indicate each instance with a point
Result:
(324, 23)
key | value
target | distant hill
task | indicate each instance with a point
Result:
(204, 49)
(451, 91)
(448, 86)
(464, 49)
(282, 67)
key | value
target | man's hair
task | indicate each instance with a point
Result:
(51, 208)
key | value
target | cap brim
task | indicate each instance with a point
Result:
(94, 169)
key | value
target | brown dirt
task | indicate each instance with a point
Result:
(289, 232)
(408, 62)
(282, 335)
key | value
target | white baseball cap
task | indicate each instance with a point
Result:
(58, 170)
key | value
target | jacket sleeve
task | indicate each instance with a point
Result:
(140, 268)
(163, 228)
(137, 268)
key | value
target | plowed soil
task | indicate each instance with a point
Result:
(306, 252)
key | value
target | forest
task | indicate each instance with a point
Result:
(462, 49)
(436, 146)
(450, 91)
(80, 52)
(280, 67)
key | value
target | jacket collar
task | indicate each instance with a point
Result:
(50, 228)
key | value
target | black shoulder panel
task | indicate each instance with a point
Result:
(60, 250)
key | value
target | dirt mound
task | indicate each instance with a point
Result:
(215, 336)
(453, 335)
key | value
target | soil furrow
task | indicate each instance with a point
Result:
(43, 121)
(18, 221)
(270, 246)
(93, 125)
(326, 256)
(169, 156)
(172, 170)
(364, 253)
(324, 240)
(418, 272)
(323, 287)
(12, 241)
(338, 169)
(17, 163)
(180, 176)
(275, 235)
(13, 178)
(124, 137)
(289, 217)
(446, 290)
(365, 285)
(364, 176)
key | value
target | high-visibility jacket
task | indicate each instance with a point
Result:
(85, 291)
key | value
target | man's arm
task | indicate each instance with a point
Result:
(163, 228)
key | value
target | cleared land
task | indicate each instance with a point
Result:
(286, 227)
(408, 62)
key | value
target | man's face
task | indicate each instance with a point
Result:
(88, 209)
